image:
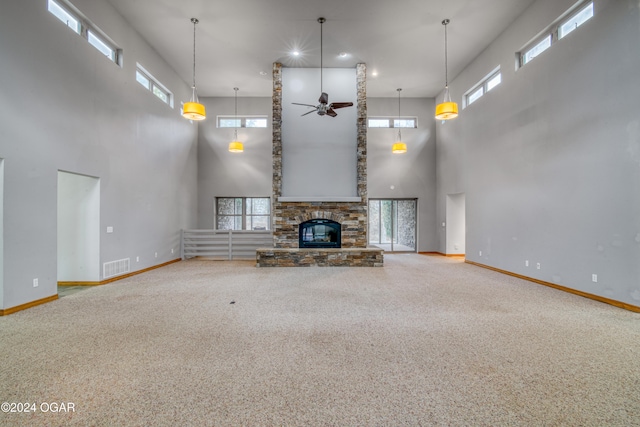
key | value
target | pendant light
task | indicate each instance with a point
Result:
(447, 109)
(193, 110)
(399, 147)
(236, 146)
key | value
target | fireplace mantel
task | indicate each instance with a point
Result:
(347, 199)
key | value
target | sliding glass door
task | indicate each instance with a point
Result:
(392, 224)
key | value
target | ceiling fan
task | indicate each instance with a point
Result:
(324, 108)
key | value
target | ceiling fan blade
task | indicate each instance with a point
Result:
(331, 113)
(308, 112)
(324, 98)
(306, 105)
(341, 104)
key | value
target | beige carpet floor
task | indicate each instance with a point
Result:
(424, 341)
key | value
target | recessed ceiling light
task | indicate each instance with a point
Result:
(263, 73)
(374, 73)
(343, 54)
(295, 53)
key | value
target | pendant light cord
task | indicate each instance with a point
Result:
(195, 21)
(446, 67)
(235, 121)
(399, 126)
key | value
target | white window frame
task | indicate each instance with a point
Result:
(243, 121)
(77, 28)
(482, 86)
(393, 122)
(245, 217)
(572, 16)
(552, 33)
(534, 49)
(491, 79)
(154, 85)
(88, 31)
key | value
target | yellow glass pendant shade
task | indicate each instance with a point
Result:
(236, 147)
(446, 111)
(399, 148)
(193, 111)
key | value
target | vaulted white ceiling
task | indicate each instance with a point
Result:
(402, 40)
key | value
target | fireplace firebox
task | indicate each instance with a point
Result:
(319, 233)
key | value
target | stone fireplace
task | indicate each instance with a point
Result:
(290, 213)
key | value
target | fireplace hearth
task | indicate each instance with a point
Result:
(319, 233)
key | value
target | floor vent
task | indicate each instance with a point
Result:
(115, 268)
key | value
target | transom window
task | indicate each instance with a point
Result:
(80, 25)
(154, 86)
(242, 121)
(475, 95)
(537, 49)
(483, 86)
(574, 21)
(243, 213)
(63, 15)
(494, 81)
(571, 20)
(391, 122)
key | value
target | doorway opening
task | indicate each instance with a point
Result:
(456, 225)
(393, 225)
(78, 231)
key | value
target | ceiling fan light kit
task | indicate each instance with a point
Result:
(324, 108)
(447, 109)
(193, 110)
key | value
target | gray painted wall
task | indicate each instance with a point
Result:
(319, 154)
(225, 174)
(550, 159)
(66, 107)
(413, 174)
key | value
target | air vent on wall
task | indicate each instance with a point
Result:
(115, 268)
